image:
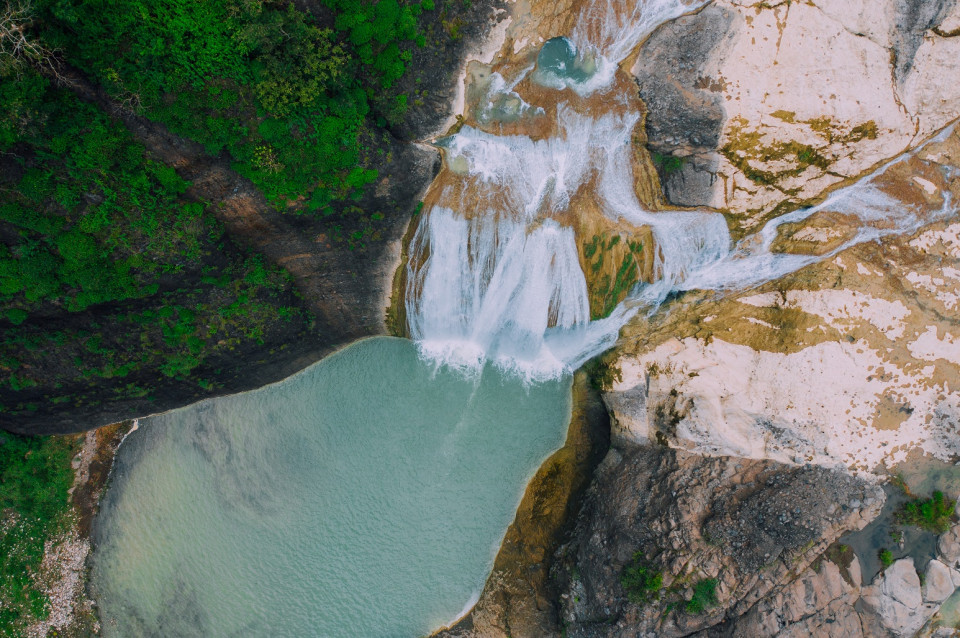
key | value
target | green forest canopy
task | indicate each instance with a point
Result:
(290, 98)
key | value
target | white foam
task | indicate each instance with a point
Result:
(498, 277)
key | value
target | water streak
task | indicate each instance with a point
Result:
(494, 270)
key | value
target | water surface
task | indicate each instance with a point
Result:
(366, 496)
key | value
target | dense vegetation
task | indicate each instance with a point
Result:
(641, 581)
(704, 596)
(88, 219)
(886, 558)
(294, 98)
(35, 475)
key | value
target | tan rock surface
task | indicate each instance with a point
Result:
(807, 95)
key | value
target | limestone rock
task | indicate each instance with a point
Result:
(949, 546)
(848, 362)
(937, 582)
(772, 103)
(895, 597)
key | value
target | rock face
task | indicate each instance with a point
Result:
(850, 362)
(753, 526)
(770, 103)
(762, 531)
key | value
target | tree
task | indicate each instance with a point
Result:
(18, 48)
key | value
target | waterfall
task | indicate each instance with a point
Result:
(494, 271)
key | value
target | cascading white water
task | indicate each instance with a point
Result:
(607, 31)
(494, 270)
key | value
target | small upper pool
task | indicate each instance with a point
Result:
(366, 496)
(560, 64)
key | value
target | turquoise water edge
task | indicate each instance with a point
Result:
(365, 496)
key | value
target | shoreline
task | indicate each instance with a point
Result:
(519, 596)
(64, 574)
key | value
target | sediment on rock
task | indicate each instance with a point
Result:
(519, 598)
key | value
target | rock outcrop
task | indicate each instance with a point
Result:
(768, 104)
(750, 528)
(851, 362)
(761, 534)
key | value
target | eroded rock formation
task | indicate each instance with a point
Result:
(768, 104)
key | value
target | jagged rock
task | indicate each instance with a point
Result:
(819, 603)
(895, 597)
(937, 582)
(751, 525)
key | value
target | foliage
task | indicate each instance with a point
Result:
(603, 372)
(290, 99)
(666, 164)
(93, 217)
(704, 596)
(642, 583)
(886, 558)
(605, 291)
(934, 514)
(91, 223)
(35, 475)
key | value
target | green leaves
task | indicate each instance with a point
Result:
(934, 514)
(35, 474)
(640, 581)
(217, 70)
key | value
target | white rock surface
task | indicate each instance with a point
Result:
(937, 583)
(949, 546)
(896, 599)
(854, 81)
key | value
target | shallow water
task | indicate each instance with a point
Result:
(922, 476)
(366, 496)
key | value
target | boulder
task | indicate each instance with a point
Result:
(937, 582)
(895, 597)
(948, 546)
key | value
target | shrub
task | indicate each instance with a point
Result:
(933, 514)
(886, 558)
(704, 596)
(640, 581)
(35, 474)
